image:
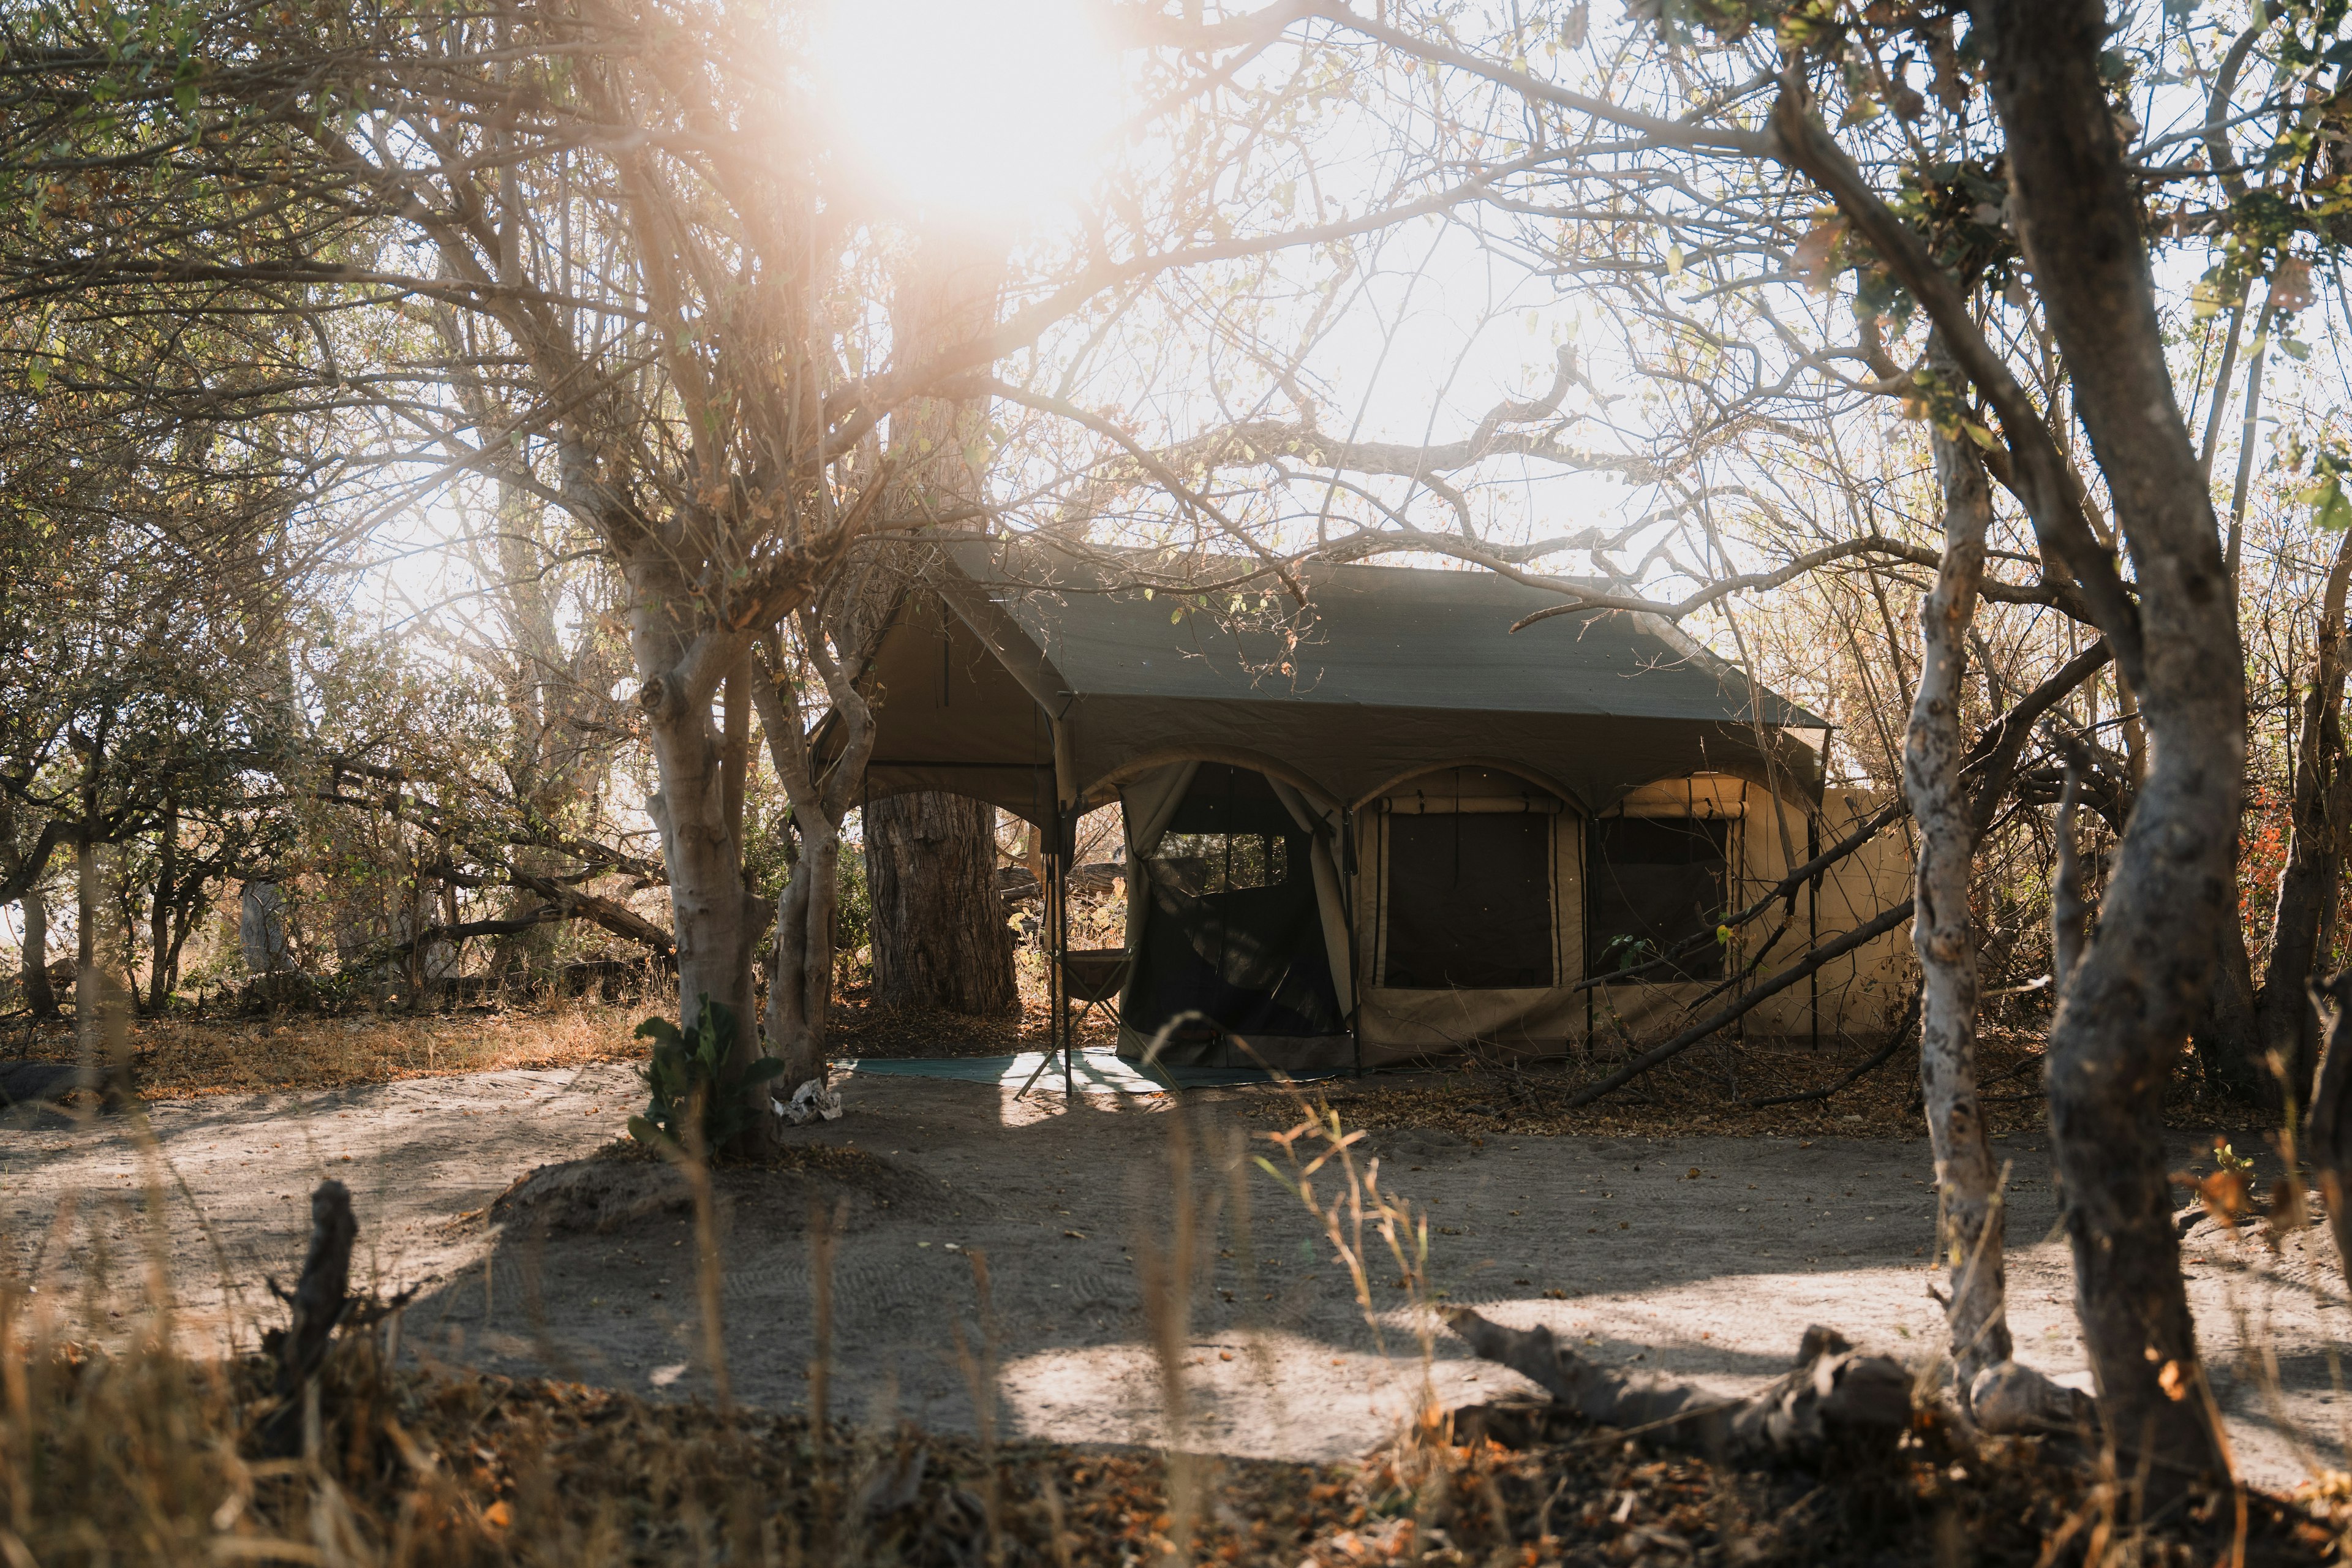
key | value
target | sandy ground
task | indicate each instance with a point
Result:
(1711, 1275)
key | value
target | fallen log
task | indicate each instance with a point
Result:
(1831, 1395)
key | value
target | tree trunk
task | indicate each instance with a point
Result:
(1968, 1182)
(40, 996)
(2142, 981)
(800, 982)
(159, 913)
(712, 918)
(2327, 1134)
(2308, 883)
(922, 957)
(940, 936)
(800, 972)
(102, 1030)
(2229, 1037)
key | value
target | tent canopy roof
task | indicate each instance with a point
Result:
(1377, 637)
(1384, 672)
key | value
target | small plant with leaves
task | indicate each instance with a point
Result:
(689, 1067)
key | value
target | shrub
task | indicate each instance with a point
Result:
(690, 1069)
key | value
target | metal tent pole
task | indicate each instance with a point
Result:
(1062, 945)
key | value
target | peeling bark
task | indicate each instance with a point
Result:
(1943, 933)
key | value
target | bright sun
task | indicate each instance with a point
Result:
(987, 107)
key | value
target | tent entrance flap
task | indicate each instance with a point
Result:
(1230, 929)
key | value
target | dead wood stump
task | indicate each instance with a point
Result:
(318, 1302)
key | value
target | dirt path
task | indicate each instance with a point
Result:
(1711, 1277)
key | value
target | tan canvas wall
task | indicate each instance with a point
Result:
(1854, 1000)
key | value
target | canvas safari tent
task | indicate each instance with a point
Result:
(1384, 826)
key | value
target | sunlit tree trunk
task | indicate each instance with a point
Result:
(1943, 932)
(714, 919)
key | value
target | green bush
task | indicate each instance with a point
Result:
(690, 1069)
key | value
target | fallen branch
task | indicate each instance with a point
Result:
(1832, 1393)
(1828, 953)
(1903, 1029)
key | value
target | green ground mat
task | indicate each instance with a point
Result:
(1096, 1071)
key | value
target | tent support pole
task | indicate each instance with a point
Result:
(1813, 922)
(1061, 980)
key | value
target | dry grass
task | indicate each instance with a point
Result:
(176, 1057)
(140, 1457)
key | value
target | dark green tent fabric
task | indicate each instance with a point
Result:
(1384, 673)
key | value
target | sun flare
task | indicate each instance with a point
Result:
(992, 108)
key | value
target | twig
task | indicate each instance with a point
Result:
(1903, 1031)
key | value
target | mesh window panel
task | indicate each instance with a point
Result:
(1657, 882)
(1469, 902)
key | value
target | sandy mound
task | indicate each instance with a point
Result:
(597, 1195)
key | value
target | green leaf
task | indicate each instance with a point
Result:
(2335, 513)
(2295, 349)
(39, 374)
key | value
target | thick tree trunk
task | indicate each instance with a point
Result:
(40, 996)
(1942, 931)
(940, 936)
(2229, 1038)
(713, 916)
(920, 955)
(2142, 981)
